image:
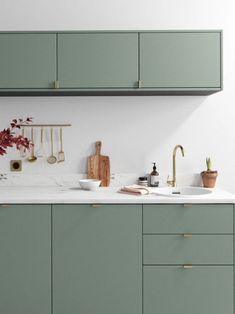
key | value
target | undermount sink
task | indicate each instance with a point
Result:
(187, 191)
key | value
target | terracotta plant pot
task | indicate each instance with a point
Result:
(209, 178)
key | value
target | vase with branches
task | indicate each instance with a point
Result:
(10, 138)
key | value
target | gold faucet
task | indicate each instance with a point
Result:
(173, 181)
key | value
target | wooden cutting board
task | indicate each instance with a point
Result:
(98, 166)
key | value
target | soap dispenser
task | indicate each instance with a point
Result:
(154, 176)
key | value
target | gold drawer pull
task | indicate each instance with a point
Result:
(139, 84)
(5, 205)
(56, 84)
(187, 205)
(187, 266)
(187, 235)
(96, 205)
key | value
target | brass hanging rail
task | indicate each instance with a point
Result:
(45, 125)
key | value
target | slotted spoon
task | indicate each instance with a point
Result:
(61, 156)
(52, 159)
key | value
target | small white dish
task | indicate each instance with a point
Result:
(89, 184)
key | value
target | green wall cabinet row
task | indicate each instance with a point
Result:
(57, 259)
(111, 63)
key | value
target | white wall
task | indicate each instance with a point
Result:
(135, 130)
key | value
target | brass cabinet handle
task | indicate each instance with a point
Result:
(139, 84)
(96, 205)
(188, 266)
(5, 205)
(187, 235)
(56, 84)
(187, 205)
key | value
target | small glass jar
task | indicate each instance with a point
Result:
(143, 181)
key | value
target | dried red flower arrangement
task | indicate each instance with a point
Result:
(8, 137)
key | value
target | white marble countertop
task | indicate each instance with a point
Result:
(70, 195)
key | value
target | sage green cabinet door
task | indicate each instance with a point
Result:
(180, 59)
(27, 60)
(200, 290)
(97, 259)
(98, 60)
(25, 265)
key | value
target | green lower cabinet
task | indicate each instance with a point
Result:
(97, 259)
(200, 290)
(25, 259)
(87, 259)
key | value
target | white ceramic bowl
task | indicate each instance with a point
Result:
(89, 184)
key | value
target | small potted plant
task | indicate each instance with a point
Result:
(209, 176)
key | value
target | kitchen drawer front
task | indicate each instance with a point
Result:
(200, 290)
(188, 218)
(178, 249)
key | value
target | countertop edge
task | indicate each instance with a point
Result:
(64, 195)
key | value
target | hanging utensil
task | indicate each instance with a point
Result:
(40, 151)
(61, 156)
(32, 157)
(22, 150)
(52, 159)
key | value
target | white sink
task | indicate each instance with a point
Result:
(184, 191)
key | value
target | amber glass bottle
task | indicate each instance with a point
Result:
(154, 176)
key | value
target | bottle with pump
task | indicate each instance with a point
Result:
(154, 176)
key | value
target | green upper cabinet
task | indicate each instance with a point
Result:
(111, 63)
(25, 259)
(27, 60)
(98, 60)
(180, 60)
(97, 259)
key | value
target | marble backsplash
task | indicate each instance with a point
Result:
(72, 180)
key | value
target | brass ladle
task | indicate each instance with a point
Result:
(32, 157)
